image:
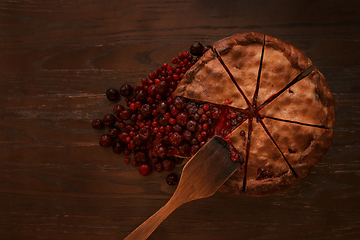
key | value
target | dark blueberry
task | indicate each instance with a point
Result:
(97, 123)
(196, 49)
(105, 140)
(112, 94)
(118, 147)
(126, 90)
(114, 132)
(109, 120)
(172, 179)
(206, 48)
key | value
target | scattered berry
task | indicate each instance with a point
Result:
(109, 120)
(172, 179)
(127, 160)
(118, 147)
(112, 94)
(196, 49)
(97, 123)
(126, 90)
(105, 140)
(145, 169)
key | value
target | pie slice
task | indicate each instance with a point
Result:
(287, 107)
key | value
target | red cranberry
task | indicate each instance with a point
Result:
(172, 179)
(163, 107)
(140, 156)
(137, 140)
(167, 115)
(191, 125)
(191, 108)
(152, 90)
(97, 123)
(196, 49)
(177, 128)
(132, 106)
(162, 128)
(197, 117)
(172, 121)
(122, 136)
(162, 151)
(162, 87)
(182, 118)
(206, 107)
(184, 149)
(175, 138)
(127, 151)
(105, 140)
(145, 110)
(141, 95)
(145, 169)
(109, 120)
(118, 147)
(179, 102)
(112, 94)
(163, 121)
(145, 134)
(125, 114)
(187, 135)
(168, 164)
(126, 90)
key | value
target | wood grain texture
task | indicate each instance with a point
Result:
(57, 58)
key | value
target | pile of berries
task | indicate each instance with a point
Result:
(157, 130)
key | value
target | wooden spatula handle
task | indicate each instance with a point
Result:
(146, 228)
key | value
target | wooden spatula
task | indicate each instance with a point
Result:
(201, 177)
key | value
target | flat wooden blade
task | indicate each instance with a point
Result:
(207, 170)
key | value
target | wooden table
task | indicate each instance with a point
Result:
(57, 59)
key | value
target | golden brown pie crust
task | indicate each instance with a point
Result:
(308, 101)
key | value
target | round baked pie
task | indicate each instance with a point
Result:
(286, 106)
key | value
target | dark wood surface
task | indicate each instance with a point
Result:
(57, 59)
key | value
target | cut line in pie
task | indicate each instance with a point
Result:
(288, 109)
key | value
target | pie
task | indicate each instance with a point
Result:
(287, 109)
